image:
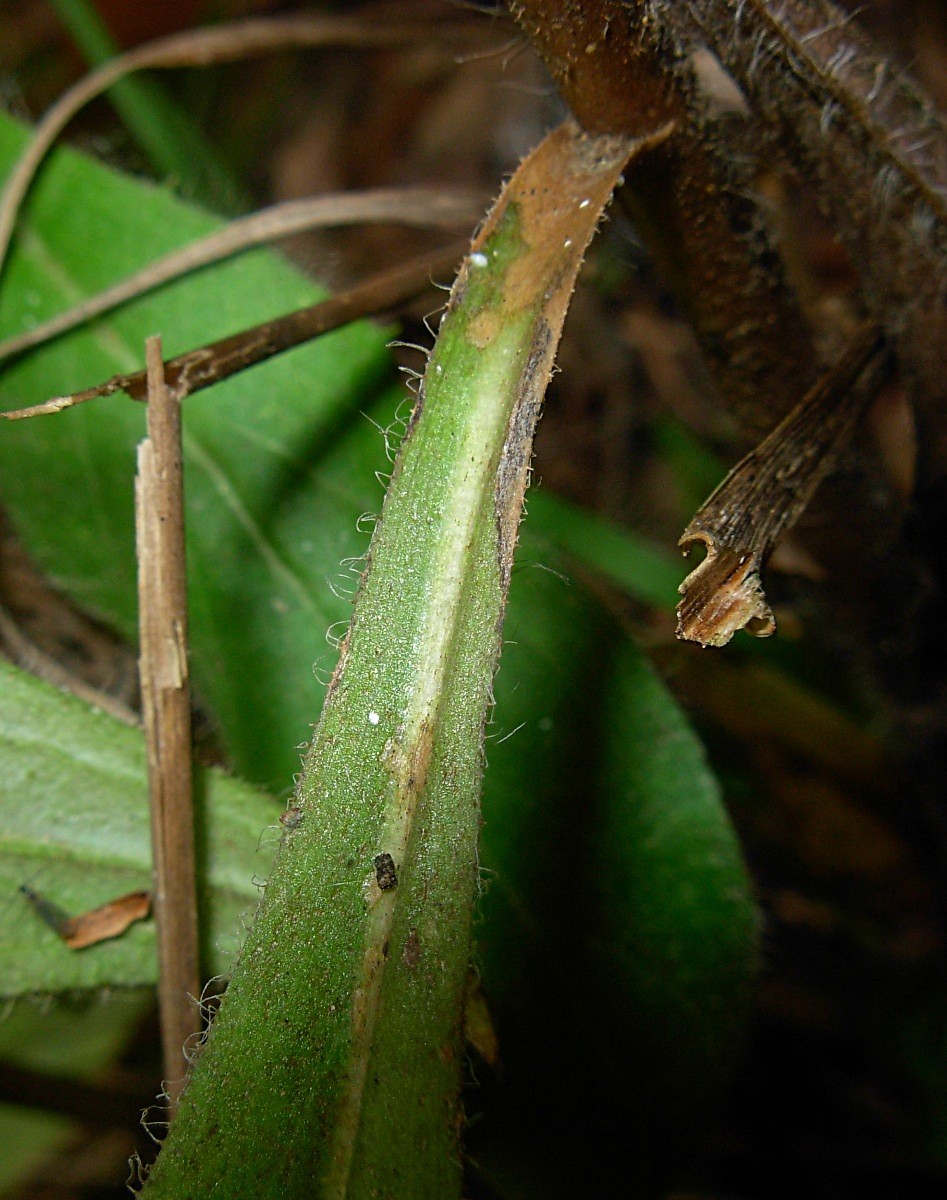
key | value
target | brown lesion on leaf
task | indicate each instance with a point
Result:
(765, 494)
(513, 471)
(419, 761)
(411, 954)
(559, 193)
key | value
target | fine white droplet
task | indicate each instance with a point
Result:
(585, 204)
(478, 259)
(373, 718)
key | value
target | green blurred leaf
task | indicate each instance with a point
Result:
(671, 912)
(74, 826)
(278, 461)
(29, 1137)
(697, 470)
(642, 568)
(618, 934)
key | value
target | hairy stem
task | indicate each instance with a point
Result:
(342, 1026)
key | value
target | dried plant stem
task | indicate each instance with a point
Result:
(166, 705)
(765, 494)
(207, 365)
(195, 48)
(403, 206)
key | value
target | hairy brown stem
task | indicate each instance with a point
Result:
(875, 151)
(166, 705)
(693, 197)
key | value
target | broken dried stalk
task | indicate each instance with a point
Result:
(402, 206)
(207, 365)
(195, 48)
(765, 494)
(166, 707)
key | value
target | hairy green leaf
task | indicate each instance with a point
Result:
(278, 474)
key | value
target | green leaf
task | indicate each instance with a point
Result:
(671, 910)
(278, 461)
(643, 569)
(74, 826)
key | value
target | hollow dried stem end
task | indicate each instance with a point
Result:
(765, 494)
(722, 595)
